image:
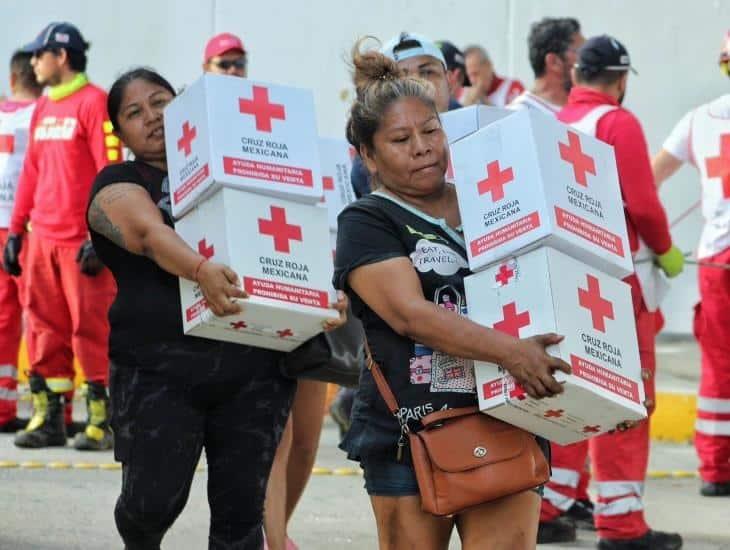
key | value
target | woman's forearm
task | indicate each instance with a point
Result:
(168, 250)
(444, 330)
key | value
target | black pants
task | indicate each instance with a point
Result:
(173, 401)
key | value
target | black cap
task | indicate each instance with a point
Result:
(454, 58)
(603, 53)
(58, 35)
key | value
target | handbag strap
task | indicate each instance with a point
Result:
(383, 387)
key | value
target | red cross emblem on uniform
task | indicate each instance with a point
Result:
(592, 300)
(495, 181)
(185, 143)
(280, 230)
(204, 250)
(284, 333)
(513, 321)
(328, 183)
(238, 325)
(591, 429)
(582, 163)
(261, 109)
(7, 143)
(554, 413)
(504, 274)
(719, 166)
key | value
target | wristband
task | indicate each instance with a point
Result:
(197, 269)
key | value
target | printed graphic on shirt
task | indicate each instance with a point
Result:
(427, 236)
(420, 364)
(437, 257)
(448, 373)
(52, 128)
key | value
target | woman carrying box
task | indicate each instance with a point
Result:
(173, 395)
(400, 256)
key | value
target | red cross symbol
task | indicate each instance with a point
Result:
(186, 141)
(554, 413)
(280, 230)
(518, 392)
(513, 321)
(495, 181)
(260, 107)
(504, 274)
(600, 307)
(581, 162)
(205, 250)
(7, 143)
(719, 166)
(239, 325)
(284, 333)
(591, 429)
(328, 183)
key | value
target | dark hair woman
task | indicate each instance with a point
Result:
(172, 395)
(401, 257)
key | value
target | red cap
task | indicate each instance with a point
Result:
(222, 43)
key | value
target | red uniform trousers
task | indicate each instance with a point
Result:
(67, 312)
(11, 320)
(619, 461)
(712, 330)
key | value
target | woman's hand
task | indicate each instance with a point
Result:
(532, 367)
(341, 306)
(220, 286)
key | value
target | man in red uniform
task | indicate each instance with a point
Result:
(15, 115)
(487, 87)
(619, 460)
(68, 290)
(702, 138)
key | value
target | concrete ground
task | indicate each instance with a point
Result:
(62, 499)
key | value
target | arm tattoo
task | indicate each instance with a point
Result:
(100, 222)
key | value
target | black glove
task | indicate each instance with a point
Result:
(11, 254)
(89, 262)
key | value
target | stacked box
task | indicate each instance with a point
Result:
(546, 236)
(245, 188)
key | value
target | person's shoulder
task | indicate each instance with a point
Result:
(622, 120)
(121, 172)
(94, 91)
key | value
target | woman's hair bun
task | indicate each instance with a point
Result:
(371, 66)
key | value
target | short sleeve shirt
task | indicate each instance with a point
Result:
(377, 228)
(147, 306)
(679, 142)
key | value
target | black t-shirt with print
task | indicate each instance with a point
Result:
(147, 306)
(377, 228)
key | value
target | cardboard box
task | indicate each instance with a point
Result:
(546, 291)
(224, 130)
(462, 122)
(527, 180)
(336, 163)
(281, 251)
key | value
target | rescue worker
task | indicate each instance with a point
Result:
(487, 87)
(15, 115)
(619, 460)
(68, 289)
(702, 138)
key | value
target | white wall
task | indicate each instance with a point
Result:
(674, 45)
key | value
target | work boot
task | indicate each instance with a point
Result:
(710, 489)
(96, 436)
(46, 427)
(556, 531)
(652, 540)
(581, 513)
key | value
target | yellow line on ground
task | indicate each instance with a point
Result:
(8, 464)
(59, 465)
(32, 465)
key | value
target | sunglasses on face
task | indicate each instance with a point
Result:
(226, 64)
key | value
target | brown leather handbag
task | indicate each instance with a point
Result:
(463, 457)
